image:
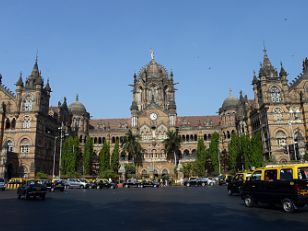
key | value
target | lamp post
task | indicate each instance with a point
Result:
(61, 137)
(292, 133)
(54, 157)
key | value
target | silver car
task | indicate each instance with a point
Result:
(75, 183)
(2, 184)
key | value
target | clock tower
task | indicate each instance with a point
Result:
(153, 113)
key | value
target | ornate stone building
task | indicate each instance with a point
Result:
(28, 130)
(30, 133)
(153, 113)
(278, 111)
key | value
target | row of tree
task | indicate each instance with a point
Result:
(244, 153)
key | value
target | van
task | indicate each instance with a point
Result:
(285, 184)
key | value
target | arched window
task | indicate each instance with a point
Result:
(25, 146)
(205, 137)
(195, 137)
(281, 139)
(191, 138)
(186, 152)
(187, 138)
(113, 140)
(13, 124)
(164, 172)
(80, 139)
(27, 103)
(7, 124)
(228, 135)
(99, 140)
(209, 136)
(275, 94)
(10, 146)
(95, 140)
(27, 122)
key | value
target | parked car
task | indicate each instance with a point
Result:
(238, 180)
(285, 185)
(32, 188)
(195, 182)
(131, 183)
(2, 184)
(104, 183)
(149, 183)
(75, 183)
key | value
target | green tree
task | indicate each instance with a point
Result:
(233, 152)
(214, 151)
(245, 151)
(133, 147)
(198, 169)
(201, 151)
(172, 145)
(88, 156)
(70, 156)
(186, 170)
(130, 170)
(256, 157)
(115, 165)
(104, 158)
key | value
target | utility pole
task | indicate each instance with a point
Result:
(61, 140)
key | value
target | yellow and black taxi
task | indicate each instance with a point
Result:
(286, 185)
(224, 179)
(238, 180)
(32, 188)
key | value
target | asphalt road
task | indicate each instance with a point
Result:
(168, 208)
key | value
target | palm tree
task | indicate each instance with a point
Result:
(133, 147)
(172, 145)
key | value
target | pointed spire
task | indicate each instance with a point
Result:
(254, 78)
(47, 87)
(266, 61)
(19, 82)
(282, 72)
(171, 74)
(0, 79)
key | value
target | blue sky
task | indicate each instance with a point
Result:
(93, 48)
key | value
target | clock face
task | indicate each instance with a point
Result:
(153, 116)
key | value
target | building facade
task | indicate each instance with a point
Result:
(31, 129)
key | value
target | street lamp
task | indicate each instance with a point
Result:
(61, 137)
(292, 133)
(54, 157)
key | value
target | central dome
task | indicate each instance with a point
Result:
(153, 70)
(77, 107)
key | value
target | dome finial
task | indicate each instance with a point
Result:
(152, 54)
(77, 98)
(230, 92)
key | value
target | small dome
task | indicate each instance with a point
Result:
(77, 107)
(230, 102)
